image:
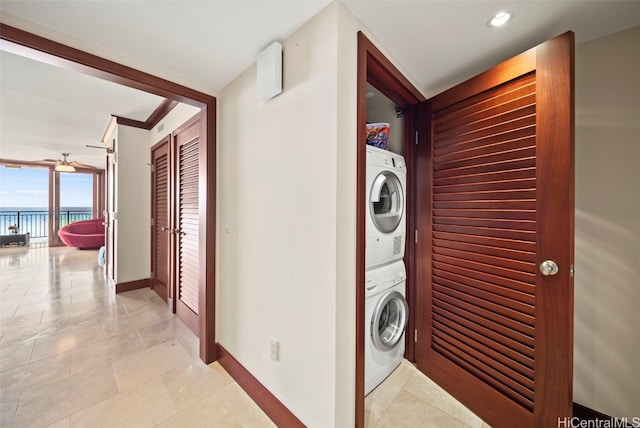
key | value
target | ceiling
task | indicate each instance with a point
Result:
(47, 110)
(206, 44)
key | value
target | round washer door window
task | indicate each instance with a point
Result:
(386, 202)
(389, 321)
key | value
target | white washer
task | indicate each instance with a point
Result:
(385, 321)
(386, 203)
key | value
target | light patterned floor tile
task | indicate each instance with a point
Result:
(189, 384)
(15, 356)
(145, 405)
(421, 386)
(393, 384)
(105, 351)
(35, 375)
(229, 407)
(46, 405)
(137, 368)
(45, 348)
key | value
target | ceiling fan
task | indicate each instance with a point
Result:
(67, 166)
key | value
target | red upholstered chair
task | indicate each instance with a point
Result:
(83, 234)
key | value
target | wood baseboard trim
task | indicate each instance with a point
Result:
(584, 413)
(269, 404)
(132, 285)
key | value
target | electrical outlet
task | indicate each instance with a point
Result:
(275, 350)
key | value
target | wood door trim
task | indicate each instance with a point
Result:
(552, 322)
(269, 404)
(121, 287)
(45, 50)
(375, 68)
(41, 49)
(154, 118)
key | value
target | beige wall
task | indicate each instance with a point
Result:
(607, 281)
(277, 194)
(345, 293)
(176, 117)
(287, 191)
(287, 194)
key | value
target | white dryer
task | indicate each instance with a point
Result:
(386, 203)
(386, 315)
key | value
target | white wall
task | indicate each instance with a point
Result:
(607, 282)
(133, 205)
(277, 175)
(176, 117)
(277, 172)
(345, 294)
(287, 191)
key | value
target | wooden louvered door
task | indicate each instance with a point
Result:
(496, 197)
(187, 272)
(161, 218)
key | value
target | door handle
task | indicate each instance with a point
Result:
(549, 268)
(164, 229)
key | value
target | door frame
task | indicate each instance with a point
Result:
(376, 69)
(45, 50)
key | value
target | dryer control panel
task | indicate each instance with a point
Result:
(386, 159)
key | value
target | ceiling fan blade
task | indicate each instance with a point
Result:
(81, 165)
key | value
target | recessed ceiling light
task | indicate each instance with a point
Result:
(500, 19)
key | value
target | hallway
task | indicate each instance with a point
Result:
(73, 354)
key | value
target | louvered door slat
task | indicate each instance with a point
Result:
(486, 259)
(501, 303)
(161, 190)
(494, 330)
(160, 212)
(508, 292)
(188, 218)
(483, 248)
(512, 174)
(500, 382)
(521, 355)
(491, 277)
(492, 250)
(509, 91)
(525, 246)
(498, 361)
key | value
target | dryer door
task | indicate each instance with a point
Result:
(386, 204)
(389, 320)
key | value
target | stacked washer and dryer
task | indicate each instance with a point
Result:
(386, 310)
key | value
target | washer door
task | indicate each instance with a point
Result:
(386, 202)
(389, 320)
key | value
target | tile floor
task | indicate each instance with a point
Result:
(407, 398)
(73, 354)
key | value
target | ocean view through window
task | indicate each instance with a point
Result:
(24, 201)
